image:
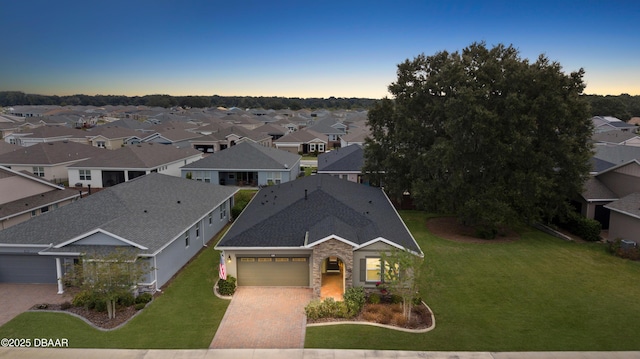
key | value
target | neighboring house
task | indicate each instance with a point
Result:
(245, 164)
(344, 163)
(356, 136)
(331, 129)
(23, 196)
(303, 141)
(110, 137)
(173, 136)
(625, 138)
(296, 233)
(48, 160)
(165, 220)
(44, 134)
(7, 147)
(610, 123)
(624, 222)
(126, 163)
(605, 188)
(274, 131)
(616, 154)
(220, 138)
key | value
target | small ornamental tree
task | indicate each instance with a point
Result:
(108, 276)
(400, 274)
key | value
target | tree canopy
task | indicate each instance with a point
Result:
(483, 134)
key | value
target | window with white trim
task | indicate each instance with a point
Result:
(198, 230)
(101, 144)
(223, 211)
(186, 239)
(274, 177)
(211, 218)
(38, 171)
(85, 175)
(373, 273)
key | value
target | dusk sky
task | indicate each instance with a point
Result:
(296, 48)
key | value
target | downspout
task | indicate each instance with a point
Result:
(59, 275)
(155, 273)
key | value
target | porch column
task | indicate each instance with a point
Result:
(59, 275)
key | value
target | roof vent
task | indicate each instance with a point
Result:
(178, 201)
(145, 211)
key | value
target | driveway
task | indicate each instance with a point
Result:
(17, 298)
(264, 317)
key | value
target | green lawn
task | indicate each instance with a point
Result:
(186, 315)
(539, 293)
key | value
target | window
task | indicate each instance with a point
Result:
(12, 141)
(85, 175)
(198, 230)
(186, 239)
(210, 218)
(274, 177)
(38, 171)
(373, 270)
(44, 209)
(223, 211)
(320, 147)
(33, 213)
(203, 176)
(101, 144)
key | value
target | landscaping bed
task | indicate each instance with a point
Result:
(98, 319)
(387, 314)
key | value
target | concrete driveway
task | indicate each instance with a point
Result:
(264, 317)
(17, 298)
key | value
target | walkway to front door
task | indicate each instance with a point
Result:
(264, 317)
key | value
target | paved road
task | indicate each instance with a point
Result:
(309, 163)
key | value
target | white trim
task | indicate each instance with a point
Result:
(623, 212)
(329, 237)
(99, 230)
(19, 245)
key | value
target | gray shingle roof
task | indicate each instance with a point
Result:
(594, 190)
(350, 158)
(144, 155)
(150, 210)
(247, 155)
(281, 216)
(50, 153)
(629, 205)
(617, 154)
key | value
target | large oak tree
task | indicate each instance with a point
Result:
(484, 134)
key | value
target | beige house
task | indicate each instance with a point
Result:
(110, 138)
(23, 196)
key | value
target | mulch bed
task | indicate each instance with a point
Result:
(99, 319)
(449, 228)
(388, 314)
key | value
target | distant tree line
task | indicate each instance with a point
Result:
(17, 98)
(623, 106)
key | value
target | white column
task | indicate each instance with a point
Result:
(59, 273)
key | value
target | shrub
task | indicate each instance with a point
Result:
(140, 305)
(65, 305)
(354, 299)
(126, 299)
(144, 298)
(328, 308)
(83, 299)
(374, 298)
(399, 319)
(228, 286)
(586, 228)
(100, 305)
(395, 299)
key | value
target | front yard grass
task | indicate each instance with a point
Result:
(185, 316)
(536, 294)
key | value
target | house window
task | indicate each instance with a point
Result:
(198, 230)
(186, 239)
(320, 147)
(312, 147)
(85, 175)
(223, 211)
(373, 270)
(274, 177)
(33, 213)
(210, 218)
(38, 171)
(44, 209)
(12, 141)
(203, 176)
(101, 144)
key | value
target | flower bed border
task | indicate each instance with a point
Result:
(430, 328)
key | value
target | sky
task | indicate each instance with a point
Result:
(296, 48)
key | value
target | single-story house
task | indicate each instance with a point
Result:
(49, 160)
(624, 221)
(344, 163)
(303, 141)
(23, 196)
(297, 233)
(112, 167)
(166, 220)
(245, 164)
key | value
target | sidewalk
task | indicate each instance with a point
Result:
(15, 353)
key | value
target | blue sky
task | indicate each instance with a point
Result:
(295, 48)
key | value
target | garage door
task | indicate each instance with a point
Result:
(27, 269)
(291, 272)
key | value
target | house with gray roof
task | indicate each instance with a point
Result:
(23, 196)
(112, 167)
(165, 220)
(626, 138)
(624, 222)
(603, 190)
(245, 164)
(298, 233)
(303, 141)
(48, 160)
(345, 163)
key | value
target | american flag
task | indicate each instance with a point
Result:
(222, 271)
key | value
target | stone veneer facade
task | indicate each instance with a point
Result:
(322, 251)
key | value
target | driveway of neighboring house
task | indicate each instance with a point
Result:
(17, 298)
(264, 317)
